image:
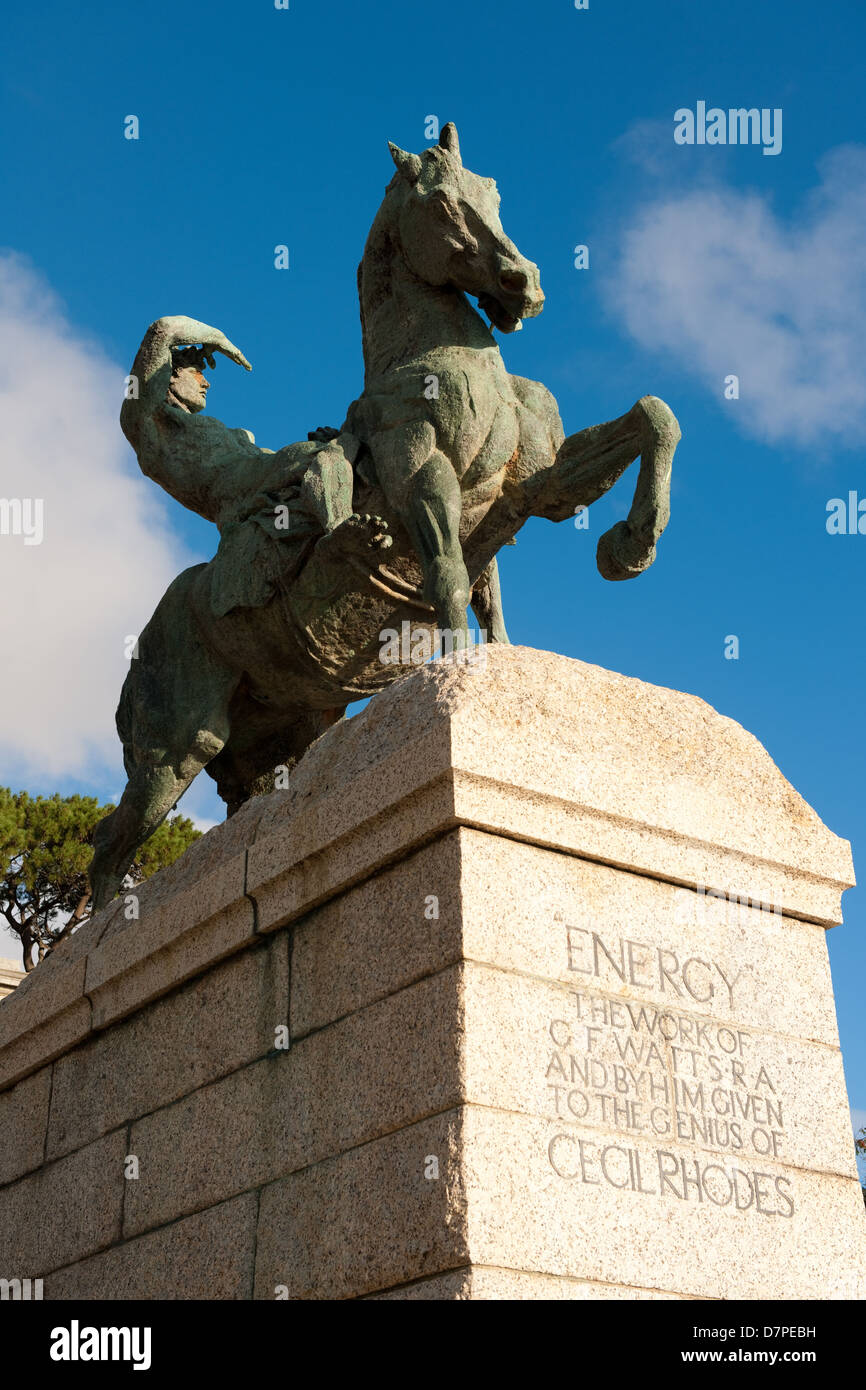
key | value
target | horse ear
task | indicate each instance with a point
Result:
(409, 165)
(449, 141)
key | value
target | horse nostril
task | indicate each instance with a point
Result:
(514, 281)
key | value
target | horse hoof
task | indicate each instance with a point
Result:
(619, 556)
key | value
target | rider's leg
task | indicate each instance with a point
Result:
(327, 486)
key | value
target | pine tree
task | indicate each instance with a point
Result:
(46, 845)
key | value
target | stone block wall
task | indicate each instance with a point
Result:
(465, 1012)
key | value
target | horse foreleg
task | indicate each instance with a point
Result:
(588, 464)
(420, 483)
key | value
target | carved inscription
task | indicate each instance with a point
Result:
(650, 967)
(662, 1173)
(661, 1076)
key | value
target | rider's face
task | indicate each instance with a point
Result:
(190, 386)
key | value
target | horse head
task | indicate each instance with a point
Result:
(447, 222)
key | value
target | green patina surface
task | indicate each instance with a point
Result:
(397, 517)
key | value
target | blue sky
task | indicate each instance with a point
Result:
(261, 127)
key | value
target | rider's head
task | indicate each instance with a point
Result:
(189, 386)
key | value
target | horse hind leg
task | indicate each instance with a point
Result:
(151, 792)
(263, 747)
(172, 719)
(486, 604)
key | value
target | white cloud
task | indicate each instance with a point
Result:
(107, 555)
(200, 823)
(717, 279)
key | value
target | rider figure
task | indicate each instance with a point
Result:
(253, 495)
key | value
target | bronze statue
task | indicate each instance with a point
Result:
(327, 544)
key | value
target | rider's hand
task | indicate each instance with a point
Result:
(228, 349)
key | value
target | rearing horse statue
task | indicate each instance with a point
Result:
(328, 544)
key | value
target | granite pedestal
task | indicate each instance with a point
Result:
(519, 990)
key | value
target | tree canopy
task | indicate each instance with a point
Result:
(45, 848)
(860, 1146)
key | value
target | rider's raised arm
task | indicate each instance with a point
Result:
(151, 374)
(164, 436)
